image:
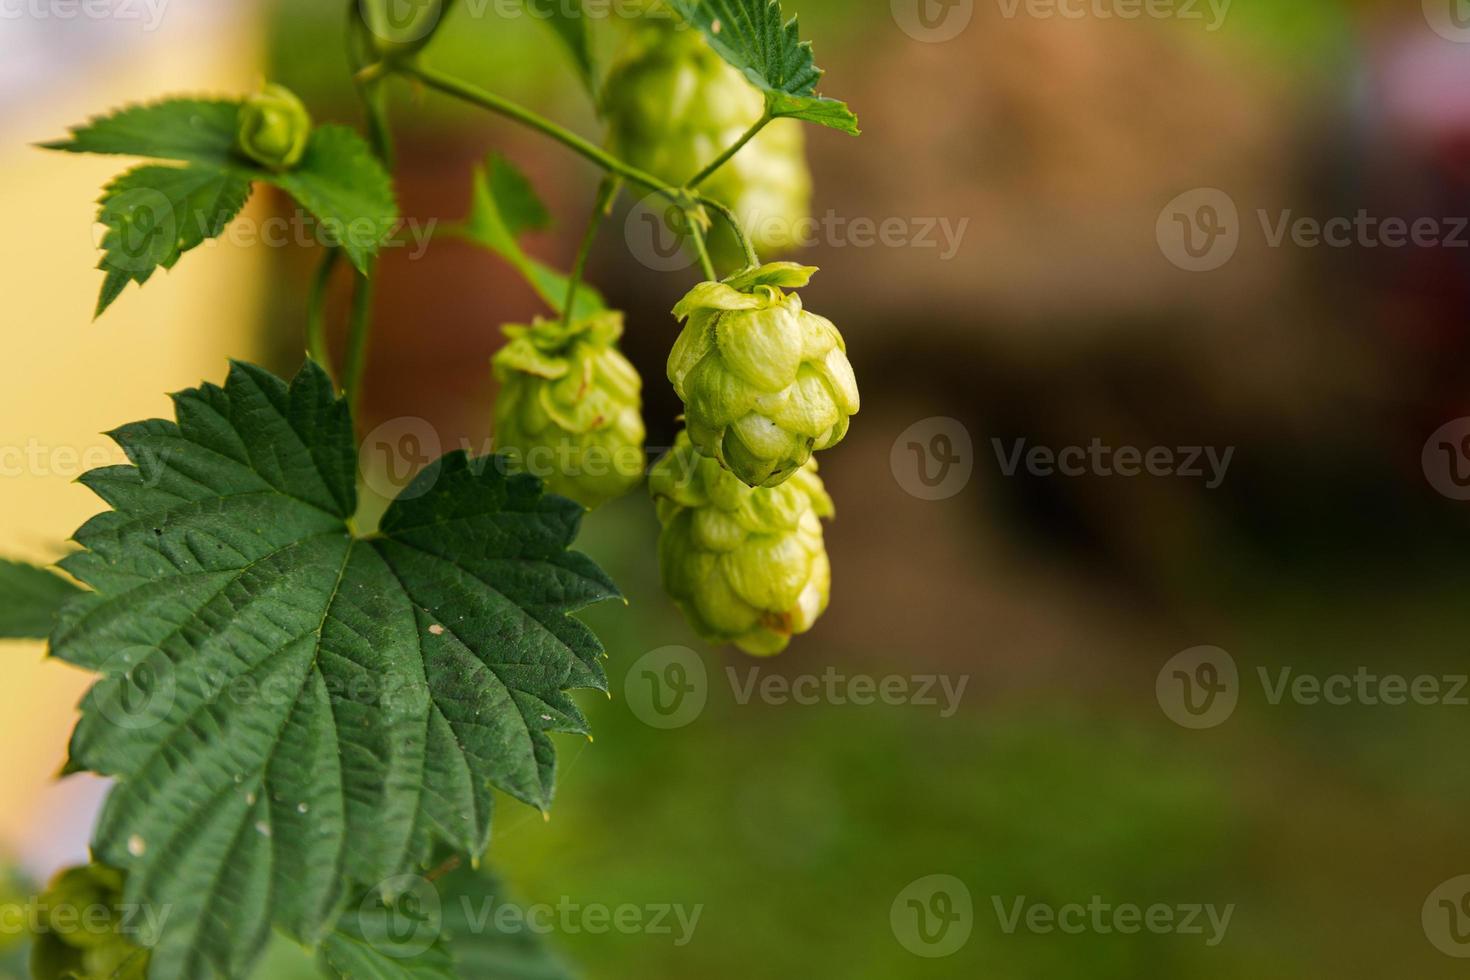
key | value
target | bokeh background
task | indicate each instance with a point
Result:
(1060, 145)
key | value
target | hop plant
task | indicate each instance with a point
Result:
(747, 565)
(764, 382)
(274, 127)
(569, 407)
(673, 105)
(80, 935)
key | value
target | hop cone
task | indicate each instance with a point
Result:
(81, 935)
(764, 382)
(568, 410)
(674, 105)
(746, 565)
(273, 128)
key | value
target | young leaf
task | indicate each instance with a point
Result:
(154, 214)
(750, 35)
(191, 130)
(341, 182)
(30, 598)
(502, 205)
(569, 19)
(289, 708)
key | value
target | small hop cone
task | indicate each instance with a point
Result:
(273, 128)
(75, 941)
(746, 565)
(673, 105)
(569, 407)
(764, 382)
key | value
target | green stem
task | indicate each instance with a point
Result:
(751, 259)
(450, 85)
(735, 148)
(606, 192)
(316, 314)
(358, 334)
(697, 237)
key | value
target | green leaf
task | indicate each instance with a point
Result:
(289, 708)
(30, 598)
(751, 35)
(569, 20)
(191, 130)
(341, 182)
(155, 213)
(479, 945)
(502, 205)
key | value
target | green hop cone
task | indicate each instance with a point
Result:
(273, 129)
(81, 935)
(746, 564)
(569, 407)
(673, 106)
(764, 382)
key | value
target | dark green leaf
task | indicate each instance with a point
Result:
(289, 708)
(30, 598)
(502, 204)
(751, 35)
(155, 213)
(192, 130)
(341, 182)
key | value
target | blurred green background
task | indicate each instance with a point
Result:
(1058, 320)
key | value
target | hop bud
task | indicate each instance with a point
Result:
(273, 128)
(746, 565)
(764, 382)
(674, 105)
(568, 409)
(81, 936)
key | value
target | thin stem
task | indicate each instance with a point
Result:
(450, 85)
(606, 192)
(697, 237)
(735, 148)
(316, 319)
(751, 259)
(358, 334)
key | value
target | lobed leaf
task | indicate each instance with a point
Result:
(751, 35)
(288, 710)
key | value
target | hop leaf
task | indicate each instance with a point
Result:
(747, 565)
(30, 597)
(764, 382)
(751, 35)
(288, 708)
